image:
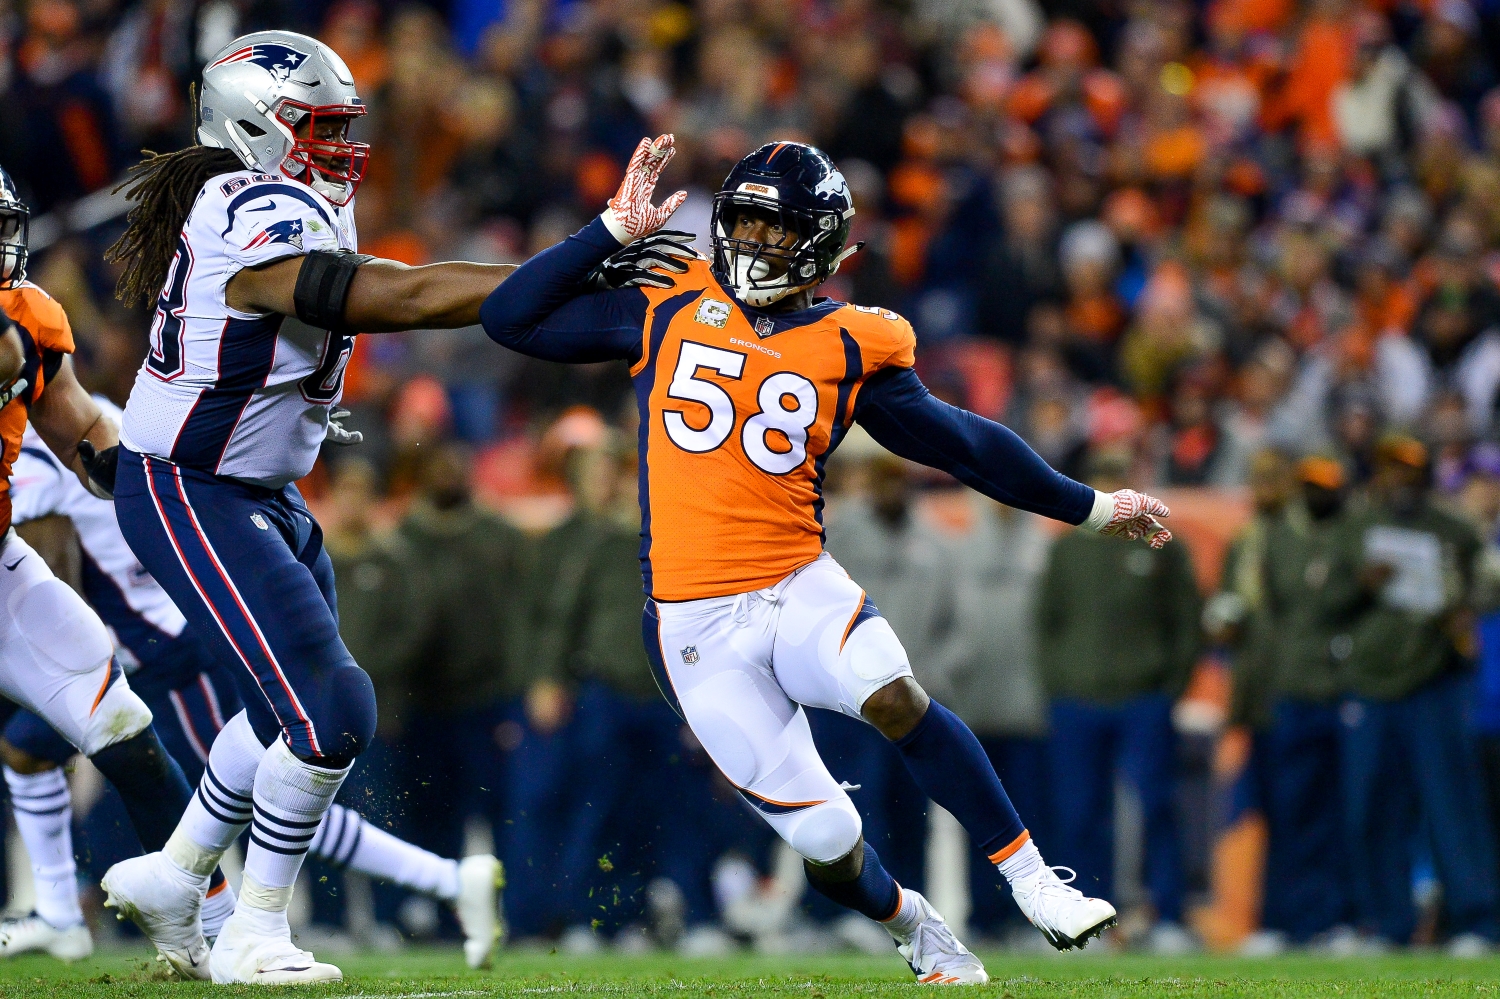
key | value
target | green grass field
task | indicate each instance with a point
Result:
(431, 974)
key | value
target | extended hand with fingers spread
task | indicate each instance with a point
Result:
(631, 215)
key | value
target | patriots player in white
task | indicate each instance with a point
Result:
(191, 696)
(252, 225)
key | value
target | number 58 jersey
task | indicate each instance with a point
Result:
(739, 411)
(240, 394)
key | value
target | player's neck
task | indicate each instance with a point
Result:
(795, 302)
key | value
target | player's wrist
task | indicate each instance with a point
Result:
(616, 227)
(1102, 513)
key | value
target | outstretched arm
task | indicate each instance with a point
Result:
(540, 312)
(385, 295)
(65, 415)
(899, 412)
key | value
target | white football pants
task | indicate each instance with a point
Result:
(741, 667)
(56, 657)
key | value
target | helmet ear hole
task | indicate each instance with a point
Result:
(251, 128)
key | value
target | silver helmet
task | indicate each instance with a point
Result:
(15, 219)
(263, 88)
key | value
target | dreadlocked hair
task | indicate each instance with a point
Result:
(164, 187)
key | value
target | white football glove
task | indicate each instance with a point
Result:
(337, 433)
(630, 214)
(1128, 514)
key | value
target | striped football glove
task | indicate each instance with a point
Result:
(1128, 514)
(630, 214)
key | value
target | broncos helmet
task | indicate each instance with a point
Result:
(15, 229)
(260, 87)
(799, 185)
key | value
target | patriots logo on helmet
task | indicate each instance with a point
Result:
(281, 61)
(285, 231)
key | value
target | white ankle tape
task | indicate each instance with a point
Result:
(195, 859)
(258, 896)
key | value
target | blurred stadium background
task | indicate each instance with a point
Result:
(1244, 252)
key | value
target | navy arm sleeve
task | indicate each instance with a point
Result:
(899, 412)
(539, 312)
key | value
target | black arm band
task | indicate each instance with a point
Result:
(323, 287)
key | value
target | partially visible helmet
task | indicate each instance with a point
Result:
(260, 87)
(15, 227)
(799, 185)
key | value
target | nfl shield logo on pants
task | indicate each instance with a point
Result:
(690, 654)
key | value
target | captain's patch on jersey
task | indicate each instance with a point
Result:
(712, 312)
(690, 654)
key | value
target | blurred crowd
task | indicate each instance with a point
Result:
(1232, 245)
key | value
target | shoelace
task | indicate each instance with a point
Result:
(1053, 886)
(929, 939)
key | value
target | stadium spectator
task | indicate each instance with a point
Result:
(467, 745)
(1117, 634)
(1307, 874)
(1408, 762)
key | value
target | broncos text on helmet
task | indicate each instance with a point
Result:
(15, 226)
(798, 185)
(261, 87)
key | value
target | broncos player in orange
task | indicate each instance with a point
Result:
(56, 657)
(746, 383)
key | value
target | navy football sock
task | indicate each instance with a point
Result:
(950, 767)
(150, 783)
(874, 893)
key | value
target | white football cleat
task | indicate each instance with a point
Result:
(33, 933)
(1066, 916)
(480, 879)
(255, 948)
(934, 953)
(164, 901)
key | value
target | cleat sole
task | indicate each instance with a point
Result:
(1081, 941)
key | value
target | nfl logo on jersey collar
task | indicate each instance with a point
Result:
(690, 654)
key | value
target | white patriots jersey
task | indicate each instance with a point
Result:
(137, 611)
(236, 393)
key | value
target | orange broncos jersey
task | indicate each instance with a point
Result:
(735, 425)
(45, 337)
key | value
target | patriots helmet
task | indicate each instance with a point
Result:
(798, 185)
(15, 228)
(260, 88)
